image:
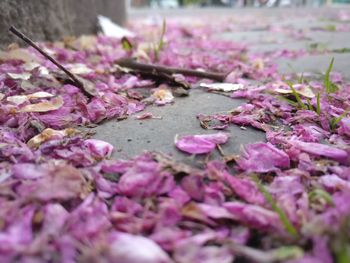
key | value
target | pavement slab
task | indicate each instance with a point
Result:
(316, 64)
(131, 136)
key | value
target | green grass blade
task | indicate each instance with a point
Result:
(301, 79)
(320, 193)
(288, 253)
(309, 105)
(326, 80)
(283, 217)
(161, 39)
(343, 254)
(335, 121)
(334, 87)
(157, 47)
(297, 97)
(318, 109)
(291, 102)
(155, 52)
(341, 50)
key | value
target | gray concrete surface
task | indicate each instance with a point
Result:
(54, 19)
(131, 136)
(262, 41)
(316, 64)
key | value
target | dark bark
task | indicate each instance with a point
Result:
(49, 20)
(157, 69)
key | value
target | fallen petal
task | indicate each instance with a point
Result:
(200, 144)
(226, 87)
(49, 134)
(319, 149)
(22, 76)
(263, 158)
(122, 249)
(45, 106)
(99, 149)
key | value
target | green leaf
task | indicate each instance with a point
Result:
(283, 217)
(126, 44)
(326, 80)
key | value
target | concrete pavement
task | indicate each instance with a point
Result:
(131, 136)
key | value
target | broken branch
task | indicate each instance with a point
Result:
(157, 69)
(30, 42)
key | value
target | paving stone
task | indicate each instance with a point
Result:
(131, 137)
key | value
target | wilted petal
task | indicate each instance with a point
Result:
(96, 110)
(129, 248)
(18, 232)
(98, 148)
(147, 115)
(28, 171)
(226, 87)
(45, 106)
(203, 254)
(61, 182)
(163, 96)
(301, 89)
(89, 219)
(145, 178)
(194, 187)
(319, 149)
(19, 99)
(263, 158)
(253, 215)
(245, 189)
(49, 134)
(22, 76)
(334, 183)
(55, 216)
(344, 127)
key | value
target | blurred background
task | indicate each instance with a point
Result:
(169, 4)
(51, 20)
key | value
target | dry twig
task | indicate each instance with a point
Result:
(76, 80)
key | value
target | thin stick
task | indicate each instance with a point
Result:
(30, 42)
(151, 68)
(220, 150)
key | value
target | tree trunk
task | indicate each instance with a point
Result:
(54, 19)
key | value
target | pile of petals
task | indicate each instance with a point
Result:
(65, 199)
